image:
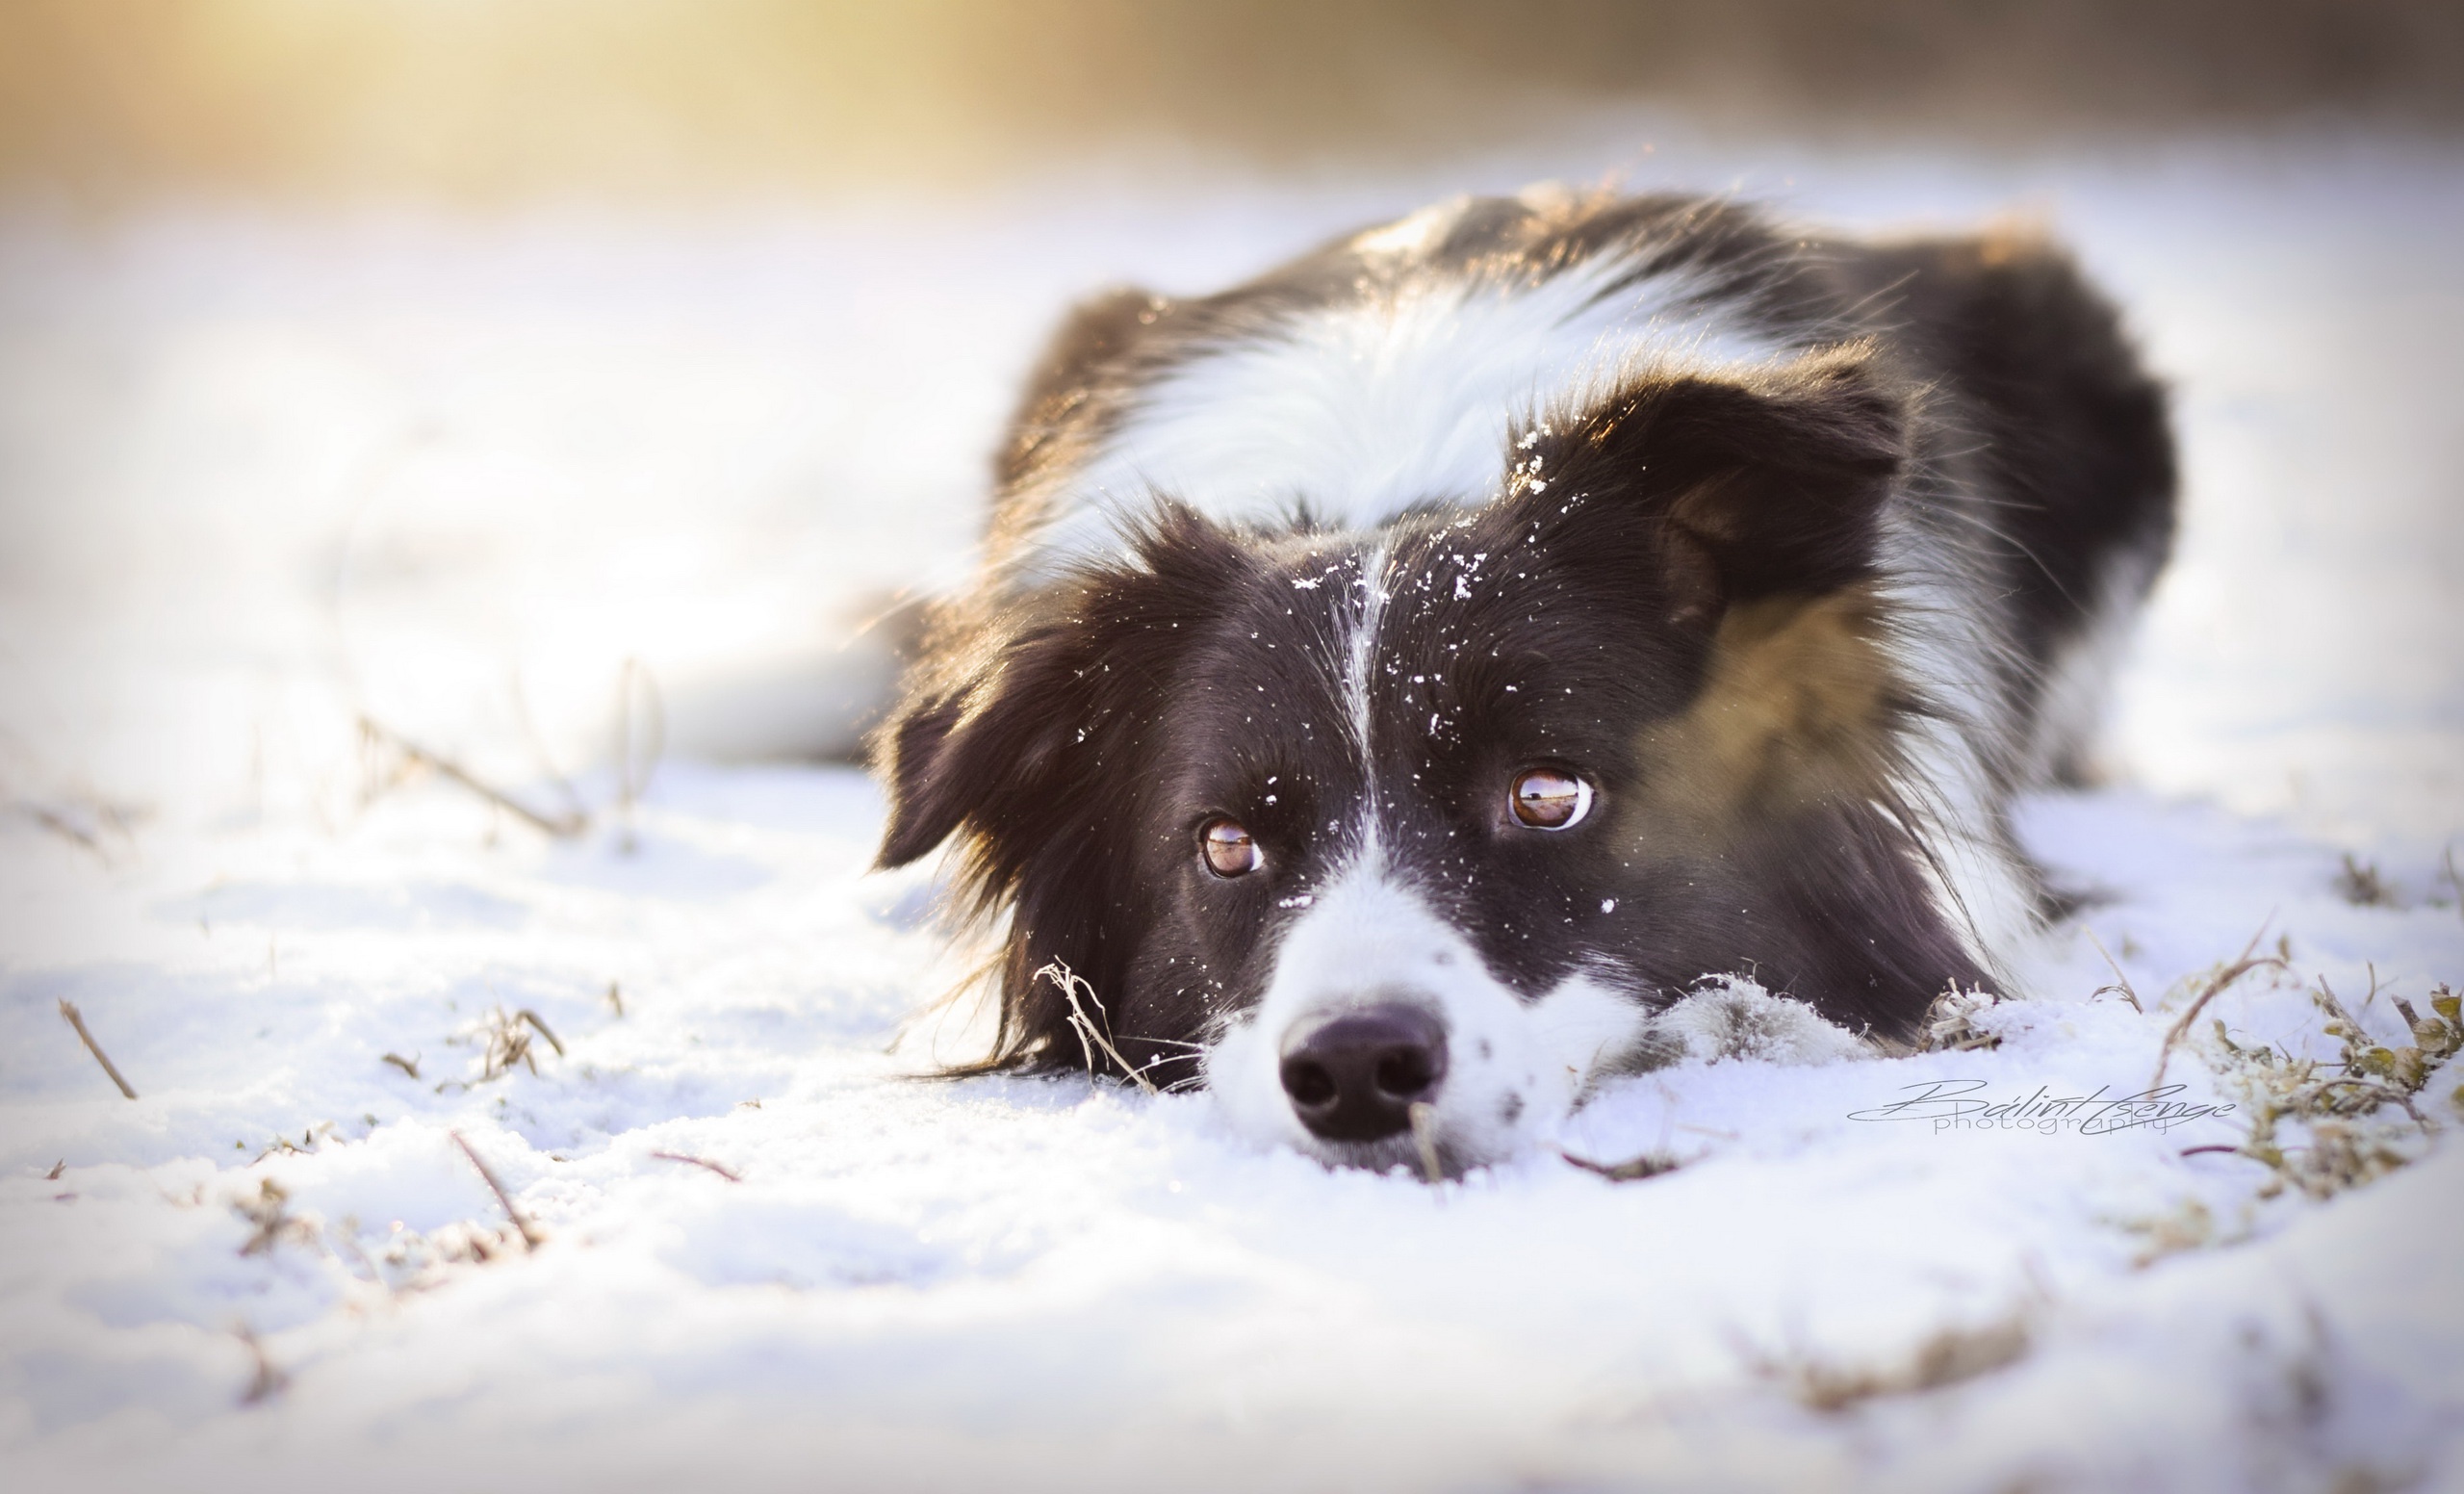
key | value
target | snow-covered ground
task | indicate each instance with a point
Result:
(262, 473)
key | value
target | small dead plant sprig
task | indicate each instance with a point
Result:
(2363, 885)
(1634, 1169)
(504, 1042)
(413, 758)
(532, 1238)
(1948, 1356)
(2214, 984)
(265, 1379)
(640, 741)
(77, 1020)
(411, 1261)
(1090, 1033)
(719, 1167)
(407, 1261)
(2120, 986)
(105, 830)
(1950, 1022)
(2189, 1225)
(273, 1223)
(2395, 1074)
(2335, 1102)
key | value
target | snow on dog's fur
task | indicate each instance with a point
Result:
(1395, 680)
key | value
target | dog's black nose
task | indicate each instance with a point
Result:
(1354, 1077)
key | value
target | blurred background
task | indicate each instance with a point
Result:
(452, 363)
(496, 100)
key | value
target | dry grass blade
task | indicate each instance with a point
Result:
(506, 1043)
(1948, 1356)
(533, 1018)
(2122, 982)
(531, 1236)
(1423, 1118)
(2242, 964)
(2363, 885)
(76, 1019)
(90, 823)
(268, 1380)
(564, 827)
(637, 753)
(271, 1221)
(1071, 983)
(1950, 1021)
(60, 825)
(57, 1167)
(727, 1172)
(408, 1065)
(1650, 1164)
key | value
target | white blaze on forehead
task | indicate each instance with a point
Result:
(1514, 1066)
(1359, 654)
(1363, 409)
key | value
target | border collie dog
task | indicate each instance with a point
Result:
(1396, 681)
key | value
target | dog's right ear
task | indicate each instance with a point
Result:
(1085, 355)
(985, 746)
(1041, 702)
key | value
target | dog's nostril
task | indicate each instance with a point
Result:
(1405, 1073)
(1355, 1077)
(1308, 1083)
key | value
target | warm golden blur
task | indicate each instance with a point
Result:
(493, 98)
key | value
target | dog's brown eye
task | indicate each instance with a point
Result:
(1547, 799)
(1229, 851)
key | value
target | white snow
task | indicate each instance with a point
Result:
(262, 473)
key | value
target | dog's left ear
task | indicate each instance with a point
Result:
(1768, 482)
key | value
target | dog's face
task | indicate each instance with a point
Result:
(1395, 840)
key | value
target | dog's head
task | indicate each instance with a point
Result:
(1347, 824)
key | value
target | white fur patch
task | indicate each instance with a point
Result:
(1728, 1017)
(1359, 649)
(1946, 641)
(1514, 1069)
(1362, 410)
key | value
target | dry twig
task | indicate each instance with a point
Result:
(1650, 1164)
(563, 827)
(270, 1213)
(2241, 966)
(69, 1008)
(408, 1065)
(727, 1172)
(1948, 1356)
(2363, 885)
(637, 762)
(268, 1380)
(531, 1236)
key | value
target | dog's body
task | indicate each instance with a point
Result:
(1398, 677)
